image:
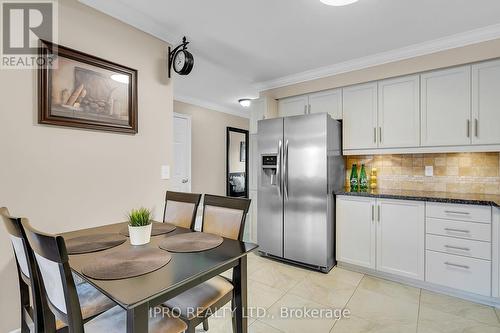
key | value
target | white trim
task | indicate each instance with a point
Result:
(450, 42)
(189, 143)
(131, 16)
(16, 331)
(212, 106)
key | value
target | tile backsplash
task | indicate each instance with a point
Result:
(457, 172)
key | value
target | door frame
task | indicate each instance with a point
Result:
(189, 141)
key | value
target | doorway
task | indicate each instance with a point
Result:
(181, 171)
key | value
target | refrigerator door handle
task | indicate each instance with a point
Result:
(278, 168)
(285, 170)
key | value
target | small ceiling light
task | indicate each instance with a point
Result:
(245, 102)
(338, 2)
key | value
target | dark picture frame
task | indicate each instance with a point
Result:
(92, 114)
(229, 191)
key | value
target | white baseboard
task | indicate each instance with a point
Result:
(490, 301)
(16, 331)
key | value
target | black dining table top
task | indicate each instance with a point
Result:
(182, 269)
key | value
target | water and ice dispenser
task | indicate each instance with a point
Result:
(269, 169)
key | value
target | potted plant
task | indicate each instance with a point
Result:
(139, 226)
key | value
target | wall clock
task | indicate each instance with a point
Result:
(180, 59)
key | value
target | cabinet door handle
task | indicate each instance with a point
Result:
(309, 106)
(457, 230)
(378, 213)
(468, 128)
(476, 128)
(456, 212)
(373, 213)
(374, 135)
(305, 109)
(380, 134)
(457, 247)
(456, 265)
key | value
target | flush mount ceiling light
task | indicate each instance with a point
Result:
(338, 2)
(245, 102)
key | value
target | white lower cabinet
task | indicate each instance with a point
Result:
(400, 238)
(355, 226)
(381, 234)
(467, 274)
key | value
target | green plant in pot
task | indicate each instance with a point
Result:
(139, 226)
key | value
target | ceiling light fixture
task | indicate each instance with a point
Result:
(245, 102)
(338, 2)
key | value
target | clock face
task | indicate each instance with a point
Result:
(179, 61)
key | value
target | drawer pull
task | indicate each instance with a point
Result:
(456, 265)
(457, 248)
(457, 230)
(456, 212)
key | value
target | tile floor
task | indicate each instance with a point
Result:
(375, 305)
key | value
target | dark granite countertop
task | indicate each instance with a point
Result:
(446, 197)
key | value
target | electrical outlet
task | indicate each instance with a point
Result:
(429, 171)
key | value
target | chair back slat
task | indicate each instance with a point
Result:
(181, 208)
(59, 287)
(225, 216)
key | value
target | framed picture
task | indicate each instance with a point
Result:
(79, 90)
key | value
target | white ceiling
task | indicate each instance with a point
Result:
(241, 46)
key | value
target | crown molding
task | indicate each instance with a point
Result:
(132, 17)
(454, 41)
(212, 106)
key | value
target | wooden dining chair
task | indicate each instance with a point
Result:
(38, 314)
(31, 312)
(61, 293)
(181, 208)
(223, 216)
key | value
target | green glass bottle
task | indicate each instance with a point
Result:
(354, 178)
(363, 180)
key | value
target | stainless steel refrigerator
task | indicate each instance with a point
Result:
(300, 167)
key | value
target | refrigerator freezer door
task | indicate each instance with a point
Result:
(270, 199)
(305, 189)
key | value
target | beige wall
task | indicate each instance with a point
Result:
(235, 164)
(457, 56)
(64, 179)
(208, 146)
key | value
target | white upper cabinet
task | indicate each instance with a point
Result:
(293, 106)
(329, 101)
(486, 103)
(360, 116)
(446, 107)
(401, 238)
(257, 111)
(399, 112)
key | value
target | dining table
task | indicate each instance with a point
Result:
(138, 294)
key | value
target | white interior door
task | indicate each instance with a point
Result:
(181, 170)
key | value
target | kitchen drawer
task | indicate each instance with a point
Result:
(472, 213)
(467, 274)
(463, 247)
(458, 229)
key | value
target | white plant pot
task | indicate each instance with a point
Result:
(140, 235)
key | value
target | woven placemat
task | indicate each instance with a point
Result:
(157, 228)
(127, 263)
(93, 243)
(191, 242)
